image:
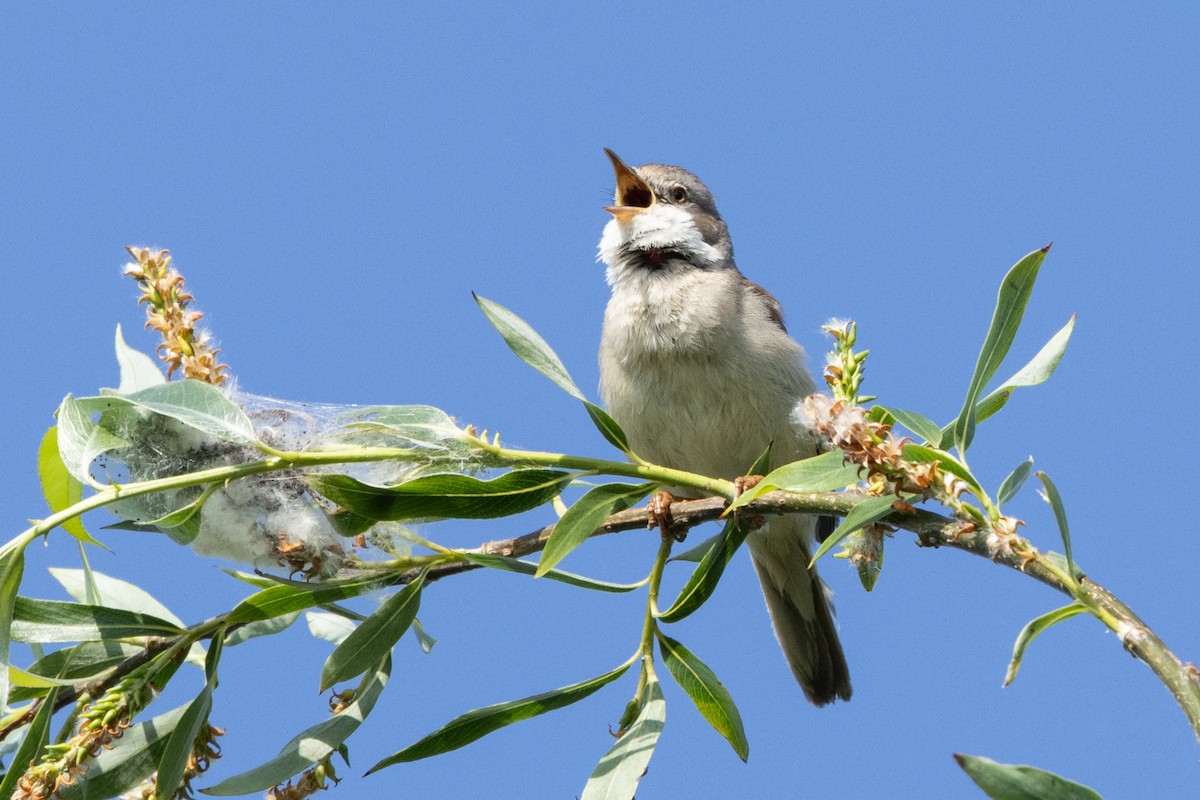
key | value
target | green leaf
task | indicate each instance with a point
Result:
(616, 776)
(275, 601)
(425, 641)
(492, 561)
(1013, 483)
(1038, 370)
(1011, 300)
(375, 637)
(531, 348)
(704, 579)
(46, 621)
(12, 568)
(182, 516)
(696, 554)
(264, 627)
(330, 627)
(130, 761)
(31, 746)
(198, 405)
(80, 440)
(61, 489)
(865, 513)
(311, 745)
(173, 762)
(585, 516)
(1032, 630)
(711, 697)
(1014, 782)
(452, 496)
(83, 663)
(476, 724)
(608, 427)
(114, 593)
(1052, 497)
(947, 462)
(921, 425)
(138, 370)
(824, 473)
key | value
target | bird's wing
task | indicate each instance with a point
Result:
(761, 295)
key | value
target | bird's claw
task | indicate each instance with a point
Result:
(659, 516)
(745, 484)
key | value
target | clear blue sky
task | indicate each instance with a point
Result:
(334, 181)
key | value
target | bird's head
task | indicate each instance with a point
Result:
(664, 218)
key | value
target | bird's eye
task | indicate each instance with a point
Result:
(679, 194)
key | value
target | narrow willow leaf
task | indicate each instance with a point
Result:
(711, 697)
(824, 473)
(865, 513)
(1013, 483)
(1060, 516)
(945, 461)
(449, 496)
(20, 679)
(492, 561)
(80, 440)
(919, 424)
(311, 745)
(616, 776)
(608, 427)
(375, 637)
(113, 592)
(476, 724)
(12, 568)
(46, 621)
(280, 599)
(531, 348)
(330, 627)
(1011, 300)
(31, 746)
(1038, 370)
(60, 488)
(174, 759)
(264, 627)
(1018, 782)
(83, 663)
(423, 639)
(138, 370)
(696, 554)
(198, 405)
(180, 517)
(584, 517)
(1032, 630)
(131, 760)
(704, 579)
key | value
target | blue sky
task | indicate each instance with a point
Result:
(334, 181)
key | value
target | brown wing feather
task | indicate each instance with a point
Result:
(774, 309)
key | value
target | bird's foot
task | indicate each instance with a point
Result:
(745, 484)
(658, 515)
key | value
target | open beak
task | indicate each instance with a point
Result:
(633, 194)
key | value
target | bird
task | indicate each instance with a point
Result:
(698, 369)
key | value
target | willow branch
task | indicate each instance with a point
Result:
(932, 530)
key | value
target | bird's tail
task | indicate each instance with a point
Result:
(800, 609)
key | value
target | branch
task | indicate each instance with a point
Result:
(932, 530)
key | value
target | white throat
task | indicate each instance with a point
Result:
(663, 227)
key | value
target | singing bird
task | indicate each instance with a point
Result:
(697, 367)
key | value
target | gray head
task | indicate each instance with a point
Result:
(664, 217)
